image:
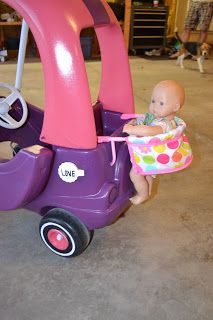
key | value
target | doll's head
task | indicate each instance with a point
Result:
(167, 98)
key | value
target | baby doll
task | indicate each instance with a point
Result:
(167, 98)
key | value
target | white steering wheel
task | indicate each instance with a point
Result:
(6, 120)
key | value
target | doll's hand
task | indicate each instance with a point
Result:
(141, 130)
(128, 128)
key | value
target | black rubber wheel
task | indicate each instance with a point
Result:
(64, 234)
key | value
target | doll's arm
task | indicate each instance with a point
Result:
(132, 122)
(142, 130)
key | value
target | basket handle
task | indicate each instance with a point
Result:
(126, 116)
(109, 139)
(112, 140)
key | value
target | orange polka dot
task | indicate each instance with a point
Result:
(177, 156)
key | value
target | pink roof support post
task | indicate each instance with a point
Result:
(116, 92)
(56, 27)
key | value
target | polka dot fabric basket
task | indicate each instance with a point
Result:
(163, 153)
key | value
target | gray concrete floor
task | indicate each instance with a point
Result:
(156, 262)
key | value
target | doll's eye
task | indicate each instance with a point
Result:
(153, 101)
(161, 103)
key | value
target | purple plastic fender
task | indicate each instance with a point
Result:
(24, 177)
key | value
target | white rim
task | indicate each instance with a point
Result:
(65, 231)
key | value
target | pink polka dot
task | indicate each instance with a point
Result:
(185, 139)
(163, 158)
(173, 145)
(154, 140)
(188, 159)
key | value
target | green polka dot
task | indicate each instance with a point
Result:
(149, 159)
(186, 146)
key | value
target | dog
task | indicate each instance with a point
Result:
(197, 51)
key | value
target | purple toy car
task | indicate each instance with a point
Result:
(60, 170)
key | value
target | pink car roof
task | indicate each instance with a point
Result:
(56, 26)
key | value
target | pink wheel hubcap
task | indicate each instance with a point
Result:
(58, 239)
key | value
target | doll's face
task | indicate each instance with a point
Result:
(163, 102)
